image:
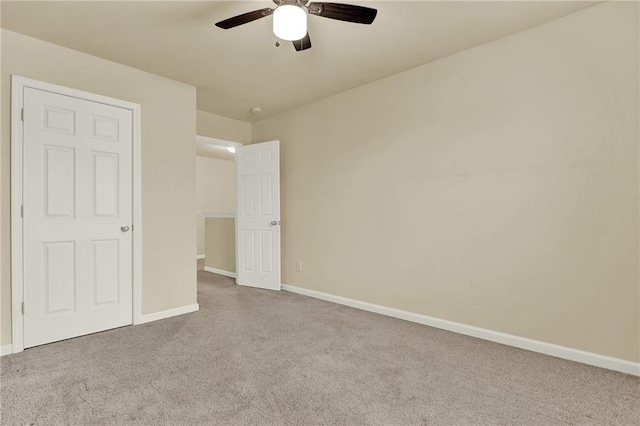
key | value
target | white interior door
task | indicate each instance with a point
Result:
(258, 215)
(77, 192)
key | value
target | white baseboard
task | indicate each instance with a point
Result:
(199, 256)
(220, 272)
(558, 351)
(169, 313)
(6, 350)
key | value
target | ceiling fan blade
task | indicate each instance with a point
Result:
(302, 44)
(244, 18)
(344, 12)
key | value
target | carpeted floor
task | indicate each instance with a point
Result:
(259, 357)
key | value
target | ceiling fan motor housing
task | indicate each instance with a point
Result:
(289, 22)
(299, 3)
(290, 18)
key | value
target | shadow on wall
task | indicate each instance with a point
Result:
(220, 243)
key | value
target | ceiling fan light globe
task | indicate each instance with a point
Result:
(290, 22)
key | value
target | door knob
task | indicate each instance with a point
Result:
(124, 228)
(275, 223)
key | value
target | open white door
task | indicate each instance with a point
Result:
(258, 215)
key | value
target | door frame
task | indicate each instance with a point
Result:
(18, 84)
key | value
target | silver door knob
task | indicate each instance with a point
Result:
(124, 228)
(275, 223)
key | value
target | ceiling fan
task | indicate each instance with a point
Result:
(290, 18)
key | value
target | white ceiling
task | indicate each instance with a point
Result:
(240, 68)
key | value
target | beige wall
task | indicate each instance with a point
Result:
(168, 175)
(497, 187)
(225, 128)
(221, 244)
(215, 192)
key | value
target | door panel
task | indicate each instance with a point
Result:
(59, 181)
(77, 195)
(105, 184)
(59, 276)
(258, 217)
(106, 272)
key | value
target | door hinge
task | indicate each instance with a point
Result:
(22, 308)
(21, 211)
(22, 114)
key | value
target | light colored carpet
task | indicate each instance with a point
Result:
(259, 357)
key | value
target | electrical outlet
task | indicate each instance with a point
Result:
(298, 266)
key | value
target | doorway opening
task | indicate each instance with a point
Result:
(238, 211)
(216, 205)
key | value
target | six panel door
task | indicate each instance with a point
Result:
(258, 215)
(77, 196)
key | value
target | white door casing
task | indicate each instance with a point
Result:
(258, 215)
(73, 264)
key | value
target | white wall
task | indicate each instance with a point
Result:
(497, 187)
